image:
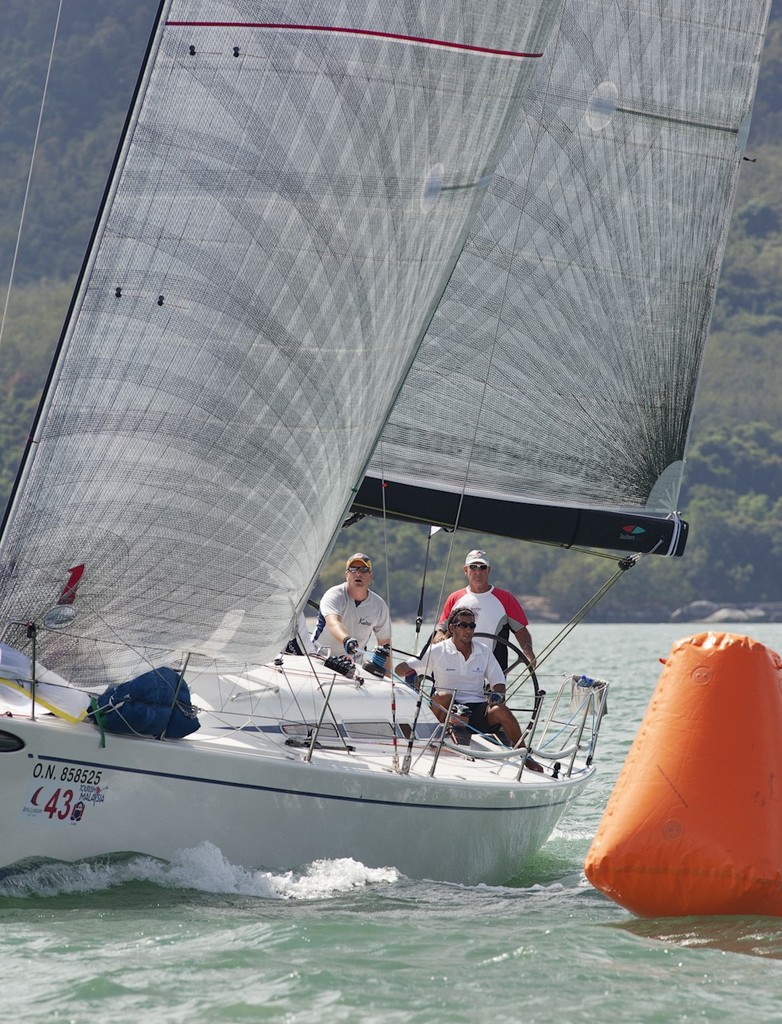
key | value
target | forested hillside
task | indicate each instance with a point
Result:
(733, 490)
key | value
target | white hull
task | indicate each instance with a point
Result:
(66, 797)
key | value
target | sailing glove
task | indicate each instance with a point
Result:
(495, 699)
(350, 644)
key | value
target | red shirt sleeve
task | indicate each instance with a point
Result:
(513, 609)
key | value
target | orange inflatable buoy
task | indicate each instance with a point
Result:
(694, 824)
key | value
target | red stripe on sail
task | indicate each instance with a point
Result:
(445, 44)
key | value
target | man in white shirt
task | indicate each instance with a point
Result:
(461, 666)
(351, 612)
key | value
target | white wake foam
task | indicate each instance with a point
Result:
(203, 868)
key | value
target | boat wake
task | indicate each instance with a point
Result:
(202, 868)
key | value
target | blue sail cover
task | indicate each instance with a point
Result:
(156, 703)
(291, 195)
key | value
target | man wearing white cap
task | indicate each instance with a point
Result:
(350, 612)
(494, 609)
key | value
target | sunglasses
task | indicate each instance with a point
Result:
(465, 625)
(474, 566)
(359, 568)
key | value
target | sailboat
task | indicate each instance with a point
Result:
(447, 265)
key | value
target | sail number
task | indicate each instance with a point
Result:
(64, 793)
(59, 803)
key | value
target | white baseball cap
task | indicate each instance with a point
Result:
(477, 556)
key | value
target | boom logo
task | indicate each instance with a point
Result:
(633, 531)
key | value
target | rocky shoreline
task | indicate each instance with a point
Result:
(710, 611)
(538, 609)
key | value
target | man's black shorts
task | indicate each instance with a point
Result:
(476, 717)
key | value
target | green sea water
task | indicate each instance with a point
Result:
(202, 940)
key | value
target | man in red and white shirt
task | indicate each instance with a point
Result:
(495, 610)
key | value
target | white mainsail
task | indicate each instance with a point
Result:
(294, 186)
(552, 396)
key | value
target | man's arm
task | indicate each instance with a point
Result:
(524, 641)
(494, 675)
(517, 620)
(409, 672)
(337, 629)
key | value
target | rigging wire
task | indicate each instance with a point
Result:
(30, 173)
(419, 618)
(386, 562)
(580, 615)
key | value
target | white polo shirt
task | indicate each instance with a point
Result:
(452, 671)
